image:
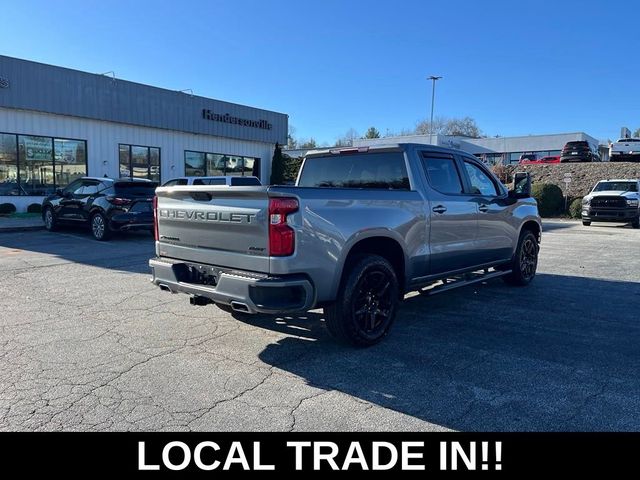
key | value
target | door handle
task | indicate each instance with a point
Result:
(483, 208)
(439, 209)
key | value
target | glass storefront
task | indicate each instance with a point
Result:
(70, 161)
(9, 165)
(198, 164)
(35, 165)
(139, 162)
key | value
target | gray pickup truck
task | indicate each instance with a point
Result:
(361, 227)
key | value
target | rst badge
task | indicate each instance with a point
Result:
(4, 82)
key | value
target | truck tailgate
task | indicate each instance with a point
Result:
(223, 226)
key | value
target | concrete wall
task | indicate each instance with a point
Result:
(583, 175)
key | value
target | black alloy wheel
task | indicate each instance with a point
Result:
(367, 301)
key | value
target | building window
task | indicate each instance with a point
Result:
(35, 162)
(35, 165)
(514, 157)
(493, 158)
(198, 164)
(70, 161)
(8, 165)
(139, 162)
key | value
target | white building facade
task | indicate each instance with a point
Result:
(58, 124)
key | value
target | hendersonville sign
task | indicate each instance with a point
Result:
(243, 122)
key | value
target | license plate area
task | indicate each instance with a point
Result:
(196, 274)
(141, 207)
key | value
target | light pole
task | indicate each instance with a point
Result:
(433, 78)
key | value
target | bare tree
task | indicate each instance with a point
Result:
(292, 143)
(465, 127)
(347, 139)
(425, 127)
(311, 143)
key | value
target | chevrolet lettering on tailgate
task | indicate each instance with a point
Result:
(200, 216)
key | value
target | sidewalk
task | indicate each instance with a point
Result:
(21, 223)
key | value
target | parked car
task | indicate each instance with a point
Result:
(227, 180)
(613, 201)
(625, 150)
(361, 227)
(105, 204)
(550, 159)
(526, 161)
(526, 158)
(579, 151)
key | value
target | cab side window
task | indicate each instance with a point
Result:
(481, 183)
(442, 174)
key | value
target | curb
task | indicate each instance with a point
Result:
(21, 229)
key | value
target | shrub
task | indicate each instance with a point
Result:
(550, 198)
(575, 209)
(504, 172)
(34, 208)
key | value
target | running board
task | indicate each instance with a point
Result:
(462, 281)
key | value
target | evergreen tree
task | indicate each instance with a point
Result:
(277, 167)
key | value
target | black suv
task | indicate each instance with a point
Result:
(579, 151)
(105, 204)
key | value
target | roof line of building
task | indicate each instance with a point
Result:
(146, 85)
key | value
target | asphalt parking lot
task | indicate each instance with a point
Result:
(87, 343)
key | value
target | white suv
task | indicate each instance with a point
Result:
(221, 180)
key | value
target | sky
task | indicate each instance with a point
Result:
(517, 68)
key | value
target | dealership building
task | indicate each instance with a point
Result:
(58, 124)
(498, 150)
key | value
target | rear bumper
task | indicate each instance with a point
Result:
(624, 157)
(609, 215)
(131, 221)
(244, 291)
(575, 158)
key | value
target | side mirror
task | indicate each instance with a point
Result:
(59, 192)
(521, 185)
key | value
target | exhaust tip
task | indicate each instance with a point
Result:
(240, 307)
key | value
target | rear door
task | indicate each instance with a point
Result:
(494, 241)
(140, 195)
(453, 214)
(215, 225)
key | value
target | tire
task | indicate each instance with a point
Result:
(99, 227)
(636, 223)
(585, 223)
(367, 302)
(525, 260)
(49, 218)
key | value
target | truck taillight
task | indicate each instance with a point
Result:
(282, 238)
(155, 218)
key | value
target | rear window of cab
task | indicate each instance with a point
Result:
(384, 170)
